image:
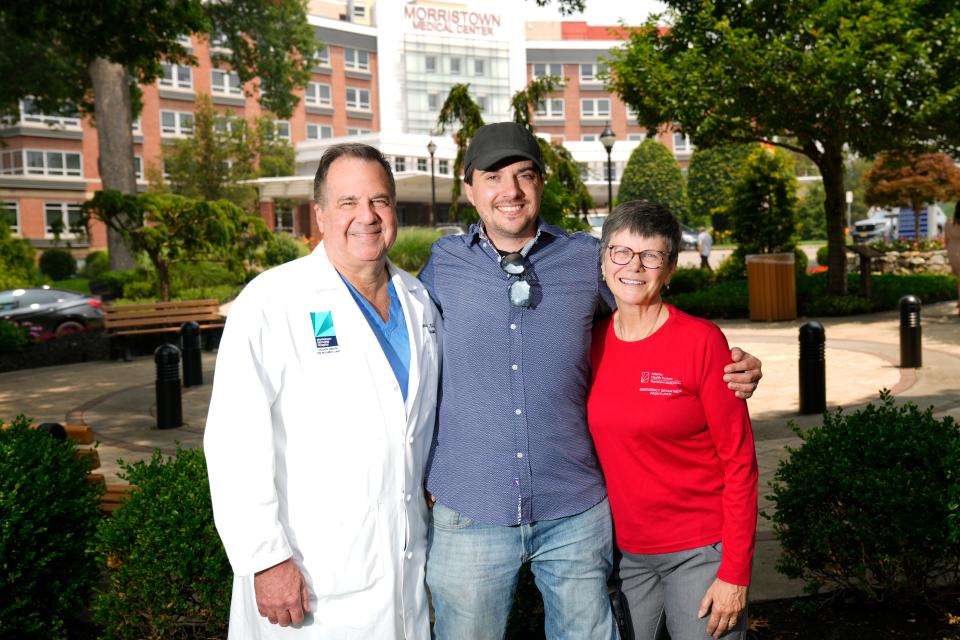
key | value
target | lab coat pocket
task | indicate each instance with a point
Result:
(348, 555)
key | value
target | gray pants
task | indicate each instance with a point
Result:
(664, 590)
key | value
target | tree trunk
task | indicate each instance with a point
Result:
(112, 107)
(830, 163)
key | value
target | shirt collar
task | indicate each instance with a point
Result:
(477, 233)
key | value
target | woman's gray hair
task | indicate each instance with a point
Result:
(645, 219)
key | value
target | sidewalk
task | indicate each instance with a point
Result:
(117, 398)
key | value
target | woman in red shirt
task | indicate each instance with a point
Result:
(676, 446)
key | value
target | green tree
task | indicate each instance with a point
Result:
(18, 266)
(459, 108)
(214, 161)
(913, 181)
(813, 77)
(652, 173)
(811, 222)
(170, 228)
(763, 203)
(94, 54)
(711, 173)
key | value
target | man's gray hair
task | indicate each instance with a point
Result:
(645, 219)
(349, 150)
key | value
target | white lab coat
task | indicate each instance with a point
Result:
(313, 455)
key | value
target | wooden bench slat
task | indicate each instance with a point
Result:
(178, 319)
(206, 302)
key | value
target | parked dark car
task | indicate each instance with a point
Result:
(688, 238)
(56, 310)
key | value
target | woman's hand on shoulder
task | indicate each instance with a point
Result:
(725, 602)
(743, 374)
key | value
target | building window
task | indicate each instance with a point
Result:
(358, 98)
(552, 108)
(64, 218)
(541, 70)
(479, 67)
(39, 162)
(138, 167)
(681, 143)
(443, 167)
(322, 58)
(357, 131)
(10, 213)
(176, 123)
(482, 102)
(455, 66)
(318, 131)
(611, 171)
(282, 129)
(422, 165)
(591, 72)
(635, 137)
(284, 216)
(226, 82)
(359, 11)
(318, 94)
(218, 41)
(184, 39)
(176, 76)
(433, 101)
(135, 127)
(595, 107)
(430, 64)
(356, 59)
(223, 124)
(589, 137)
(29, 113)
(399, 164)
(632, 113)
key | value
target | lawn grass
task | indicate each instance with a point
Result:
(78, 284)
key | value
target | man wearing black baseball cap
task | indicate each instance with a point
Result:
(513, 469)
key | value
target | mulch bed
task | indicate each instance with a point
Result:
(838, 618)
(83, 346)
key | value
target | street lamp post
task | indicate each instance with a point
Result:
(607, 138)
(432, 148)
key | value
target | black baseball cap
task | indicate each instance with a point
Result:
(495, 142)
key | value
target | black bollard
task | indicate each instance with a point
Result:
(169, 404)
(813, 378)
(190, 348)
(55, 429)
(911, 356)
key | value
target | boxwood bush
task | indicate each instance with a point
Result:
(58, 264)
(870, 502)
(48, 514)
(168, 574)
(412, 248)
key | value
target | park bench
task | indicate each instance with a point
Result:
(121, 321)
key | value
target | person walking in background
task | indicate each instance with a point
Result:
(704, 244)
(320, 424)
(951, 242)
(676, 447)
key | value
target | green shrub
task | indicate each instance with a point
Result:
(202, 273)
(17, 266)
(869, 502)
(48, 514)
(733, 267)
(412, 248)
(652, 173)
(723, 300)
(168, 574)
(57, 264)
(12, 336)
(822, 256)
(110, 284)
(146, 289)
(687, 279)
(96, 263)
(282, 248)
(221, 292)
(888, 288)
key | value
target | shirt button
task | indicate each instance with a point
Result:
(409, 555)
(519, 454)
(410, 439)
(514, 367)
(518, 412)
(408, 497)
(513, 326)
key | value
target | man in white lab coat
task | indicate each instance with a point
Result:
(320, 425)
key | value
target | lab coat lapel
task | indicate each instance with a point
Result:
(413, 315)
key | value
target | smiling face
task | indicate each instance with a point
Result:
(632, 283)
(507, 198)
(357, 216)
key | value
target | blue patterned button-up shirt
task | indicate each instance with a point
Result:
(512, 444)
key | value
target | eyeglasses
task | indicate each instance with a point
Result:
(514, 264)
(649, 259)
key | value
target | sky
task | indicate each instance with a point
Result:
(597, 12)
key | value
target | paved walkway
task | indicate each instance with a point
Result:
(117, 398)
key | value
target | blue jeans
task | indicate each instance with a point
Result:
(472, 574)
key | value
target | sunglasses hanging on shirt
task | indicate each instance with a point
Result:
(514, 264)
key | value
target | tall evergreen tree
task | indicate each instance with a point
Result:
(652, 173)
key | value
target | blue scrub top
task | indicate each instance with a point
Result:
(392, 334)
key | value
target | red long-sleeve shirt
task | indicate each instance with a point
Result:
(675, 444)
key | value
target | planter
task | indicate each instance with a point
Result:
(772, 286)
(83, 346)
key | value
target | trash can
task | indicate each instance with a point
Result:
(772, 286)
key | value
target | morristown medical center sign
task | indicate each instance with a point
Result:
(451, 21)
